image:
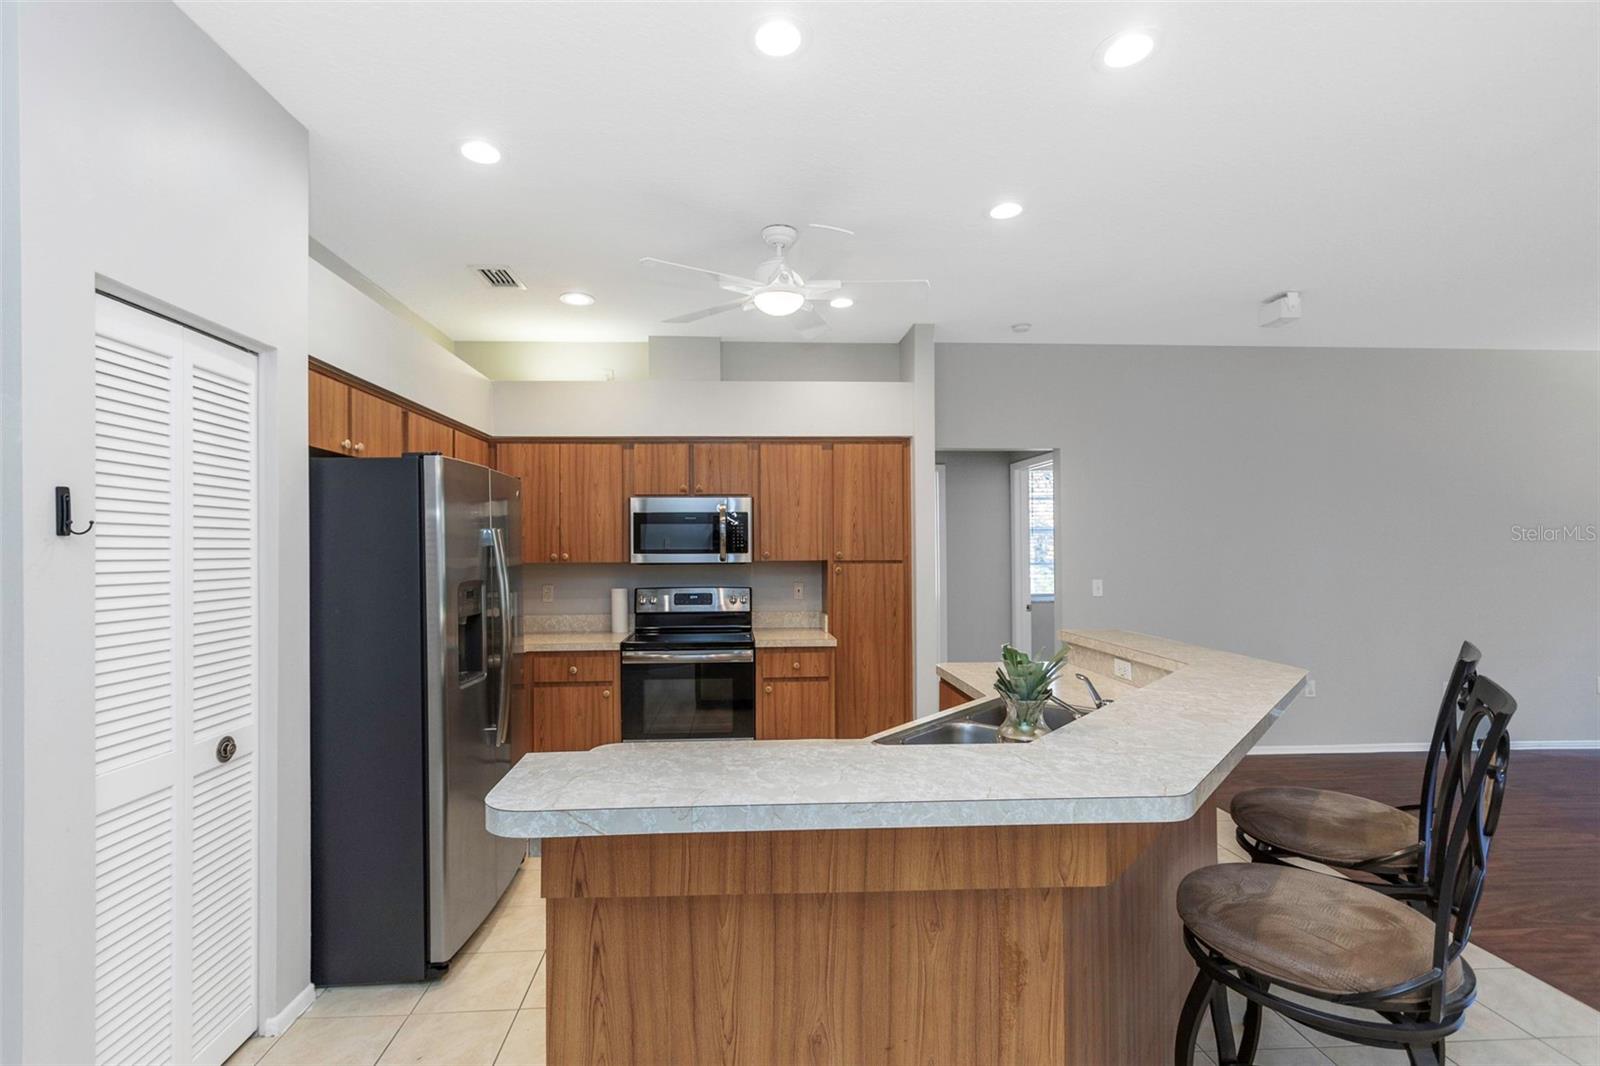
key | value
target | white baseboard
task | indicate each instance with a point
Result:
(279, 1023)
(1365, 749)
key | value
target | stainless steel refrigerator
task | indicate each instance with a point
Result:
(413, 612)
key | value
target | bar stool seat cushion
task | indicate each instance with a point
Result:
(1330, 827)
(1320, 933)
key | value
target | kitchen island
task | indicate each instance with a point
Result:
(846, 901)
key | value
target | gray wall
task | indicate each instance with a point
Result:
(1349, 511)
(977, 535)
(797, 361)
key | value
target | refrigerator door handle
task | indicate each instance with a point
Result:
(503, 695)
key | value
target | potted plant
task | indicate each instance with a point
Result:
(1025, 684)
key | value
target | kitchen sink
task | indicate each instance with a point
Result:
(980, 725)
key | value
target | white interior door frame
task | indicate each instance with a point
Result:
(1021, 585)
(941, 564)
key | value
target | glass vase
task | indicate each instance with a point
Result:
(1024, 720)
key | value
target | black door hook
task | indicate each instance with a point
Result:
(64, 514)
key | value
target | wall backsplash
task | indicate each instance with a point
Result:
(586, 590)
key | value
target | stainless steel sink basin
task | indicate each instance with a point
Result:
(979, 725)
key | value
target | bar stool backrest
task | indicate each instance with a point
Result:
(1466, 817)
(1445, 727)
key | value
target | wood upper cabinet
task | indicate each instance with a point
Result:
(659, 468)
(376, 426)
(471, 448)
(868, 615)
(593, 506)
(724, 469)
(328, 413)
(792, 502)
(423, 434)
(575, 717)
(869, 501)
(573, 506)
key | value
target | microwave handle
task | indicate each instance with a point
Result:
(722, 531)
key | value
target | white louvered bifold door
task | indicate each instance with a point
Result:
(176, 689)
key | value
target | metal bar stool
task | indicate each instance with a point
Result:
(1263, 930)
(1352, 832)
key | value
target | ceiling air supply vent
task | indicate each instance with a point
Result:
(498, 277)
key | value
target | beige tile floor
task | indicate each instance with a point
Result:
(489, 1010)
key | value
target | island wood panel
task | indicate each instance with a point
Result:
(798, 708)
(658, 468)
(869, 501)
(472, 448)
(725, 468)
(950, 696)
(538, 467)
(593, 504)
(423, 434)
(792, 502)
(328, 413)
(801, 861)
(868, 613)
(835, 975)
(575, 717)
(376, 426)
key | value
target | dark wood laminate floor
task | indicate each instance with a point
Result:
(1541, 907)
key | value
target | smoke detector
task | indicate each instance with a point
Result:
(1279, 310)
(498, 277)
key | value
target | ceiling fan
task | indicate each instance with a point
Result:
(777, 289)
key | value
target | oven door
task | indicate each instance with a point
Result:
(689, 529)
(675, 695)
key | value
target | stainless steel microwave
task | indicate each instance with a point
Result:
(690, 529)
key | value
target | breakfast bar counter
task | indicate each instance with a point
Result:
(851, 902)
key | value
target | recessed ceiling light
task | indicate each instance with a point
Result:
(1021, 327)
(576, 299)
(778, 37)
(1126, 49)
(841, 302)
(481, 152)
(778, 302)
(1006, 210)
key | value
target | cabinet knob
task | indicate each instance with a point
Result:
(553, 557)
(838, 555)
(768, 690)
(699, 487)
(838, 569)
(572, 670)
(565, 556)
(360, 447)
(683, 489)
(605, 694)
(345, 444)
(766, 555)
(797, 664)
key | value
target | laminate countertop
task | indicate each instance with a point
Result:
(607, 641)
(1154, 755)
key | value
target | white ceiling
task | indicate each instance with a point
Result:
(1426, 174)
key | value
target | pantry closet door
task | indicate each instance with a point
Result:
(176, 688)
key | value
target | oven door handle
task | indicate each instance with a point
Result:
(642, 657)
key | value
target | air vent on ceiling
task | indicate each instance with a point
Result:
(499, 277)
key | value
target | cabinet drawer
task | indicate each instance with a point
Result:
(796, 662)
(564, 666)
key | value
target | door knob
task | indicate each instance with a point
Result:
(572, 670)
(226, 748)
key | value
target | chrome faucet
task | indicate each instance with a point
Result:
(1094, 693)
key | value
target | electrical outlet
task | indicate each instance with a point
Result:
(1311, 688)
(1122, 668)
(548, 594)
(799, 590)
(1097, 587)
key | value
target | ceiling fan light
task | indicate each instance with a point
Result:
(841, 302)
(778, 302)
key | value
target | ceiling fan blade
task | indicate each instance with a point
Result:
(817, 326)
(707, 312)
(821, 290)
(722, 279)
(833, 229)
(882, 281)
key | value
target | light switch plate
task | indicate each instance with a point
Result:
(1097, 587)
(1311, 688)
(548, 594)
(1122, 668)
(799, 590)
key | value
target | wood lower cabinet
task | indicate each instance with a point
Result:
(659, 469)
(724, 468)
(795, 697)
(869, 615)
(792, 502)
(869, 501)
(520, 734)
(423, 434)
(950, 696)
(328, 413)
(575, 704)
(377, 426)
(472, 448)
